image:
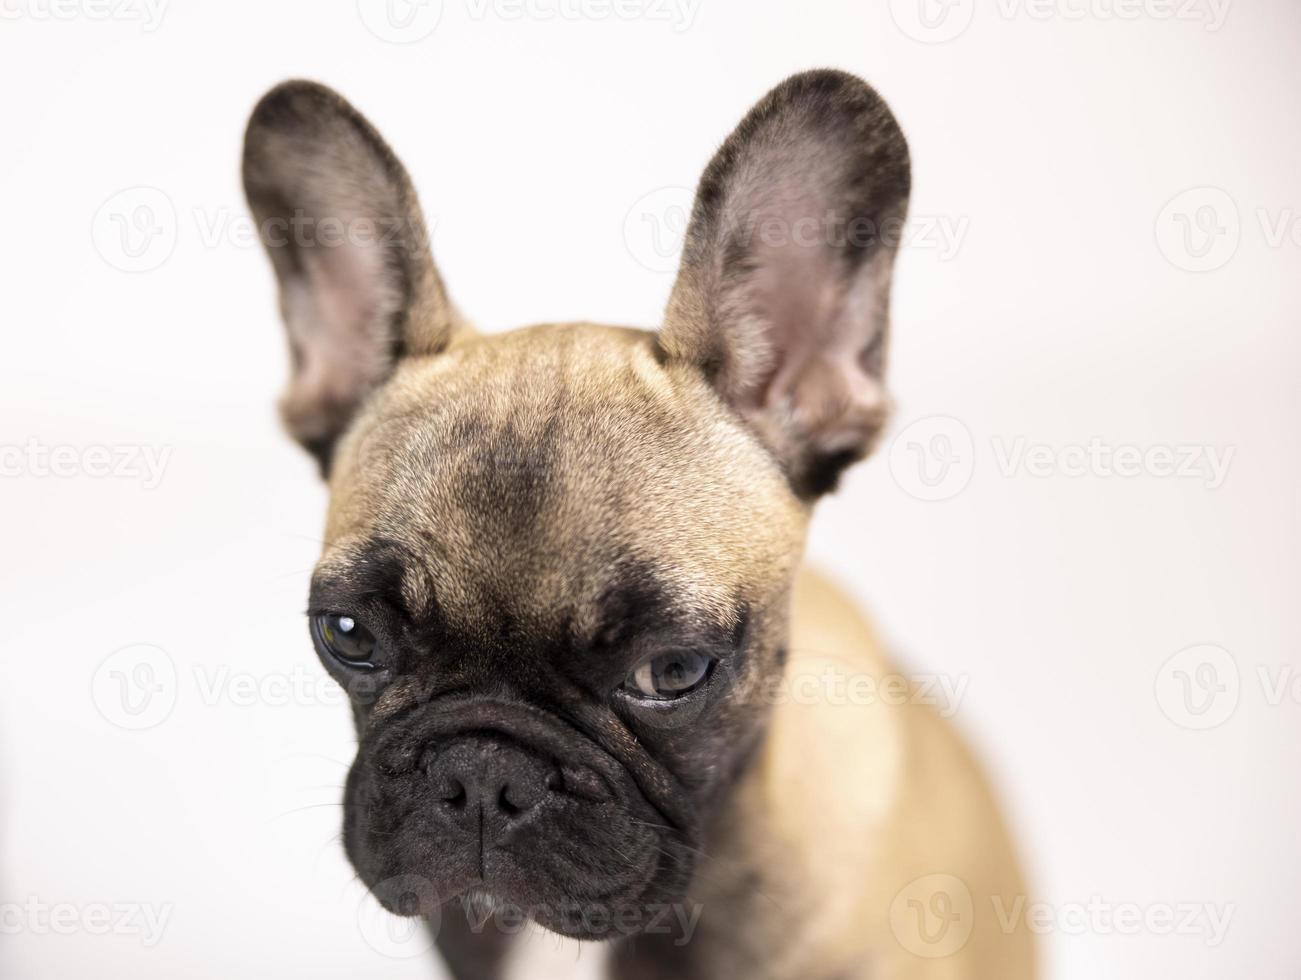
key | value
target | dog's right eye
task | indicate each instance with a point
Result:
(346, 640)
(670, 676)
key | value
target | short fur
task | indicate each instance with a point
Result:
(522, 519)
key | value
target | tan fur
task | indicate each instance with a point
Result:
(851, 802)
(519, 475)
(644, 461)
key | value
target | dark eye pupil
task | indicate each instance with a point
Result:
(346, 638)
(678, 673)
(674, 674)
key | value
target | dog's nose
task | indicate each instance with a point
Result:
(487, 779)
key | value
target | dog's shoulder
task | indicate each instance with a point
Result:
(866, 790)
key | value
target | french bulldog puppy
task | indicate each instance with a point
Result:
(561, 581)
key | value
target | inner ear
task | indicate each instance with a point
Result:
(783, 294)
(342, 226)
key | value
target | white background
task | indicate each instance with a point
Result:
(1089, 297)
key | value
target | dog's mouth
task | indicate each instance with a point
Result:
(505, 810)
(627, 912)
(485, 912)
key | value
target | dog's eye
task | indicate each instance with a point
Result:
(670, 675)
(346, 640)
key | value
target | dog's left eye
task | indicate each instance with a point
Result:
(670, 675)
(346, 640)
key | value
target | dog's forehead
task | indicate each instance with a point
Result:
(559, 470)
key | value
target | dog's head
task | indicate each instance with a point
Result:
(557, 561)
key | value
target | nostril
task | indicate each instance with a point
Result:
(452, 793)
(505, 804)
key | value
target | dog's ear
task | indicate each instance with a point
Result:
(342, 226)
(783, 295)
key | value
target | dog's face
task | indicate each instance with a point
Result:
(558, 560)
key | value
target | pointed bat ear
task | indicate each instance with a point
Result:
(784, 292)
(341, 224)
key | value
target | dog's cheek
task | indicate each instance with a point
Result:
(355, 819)
(707, 746)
